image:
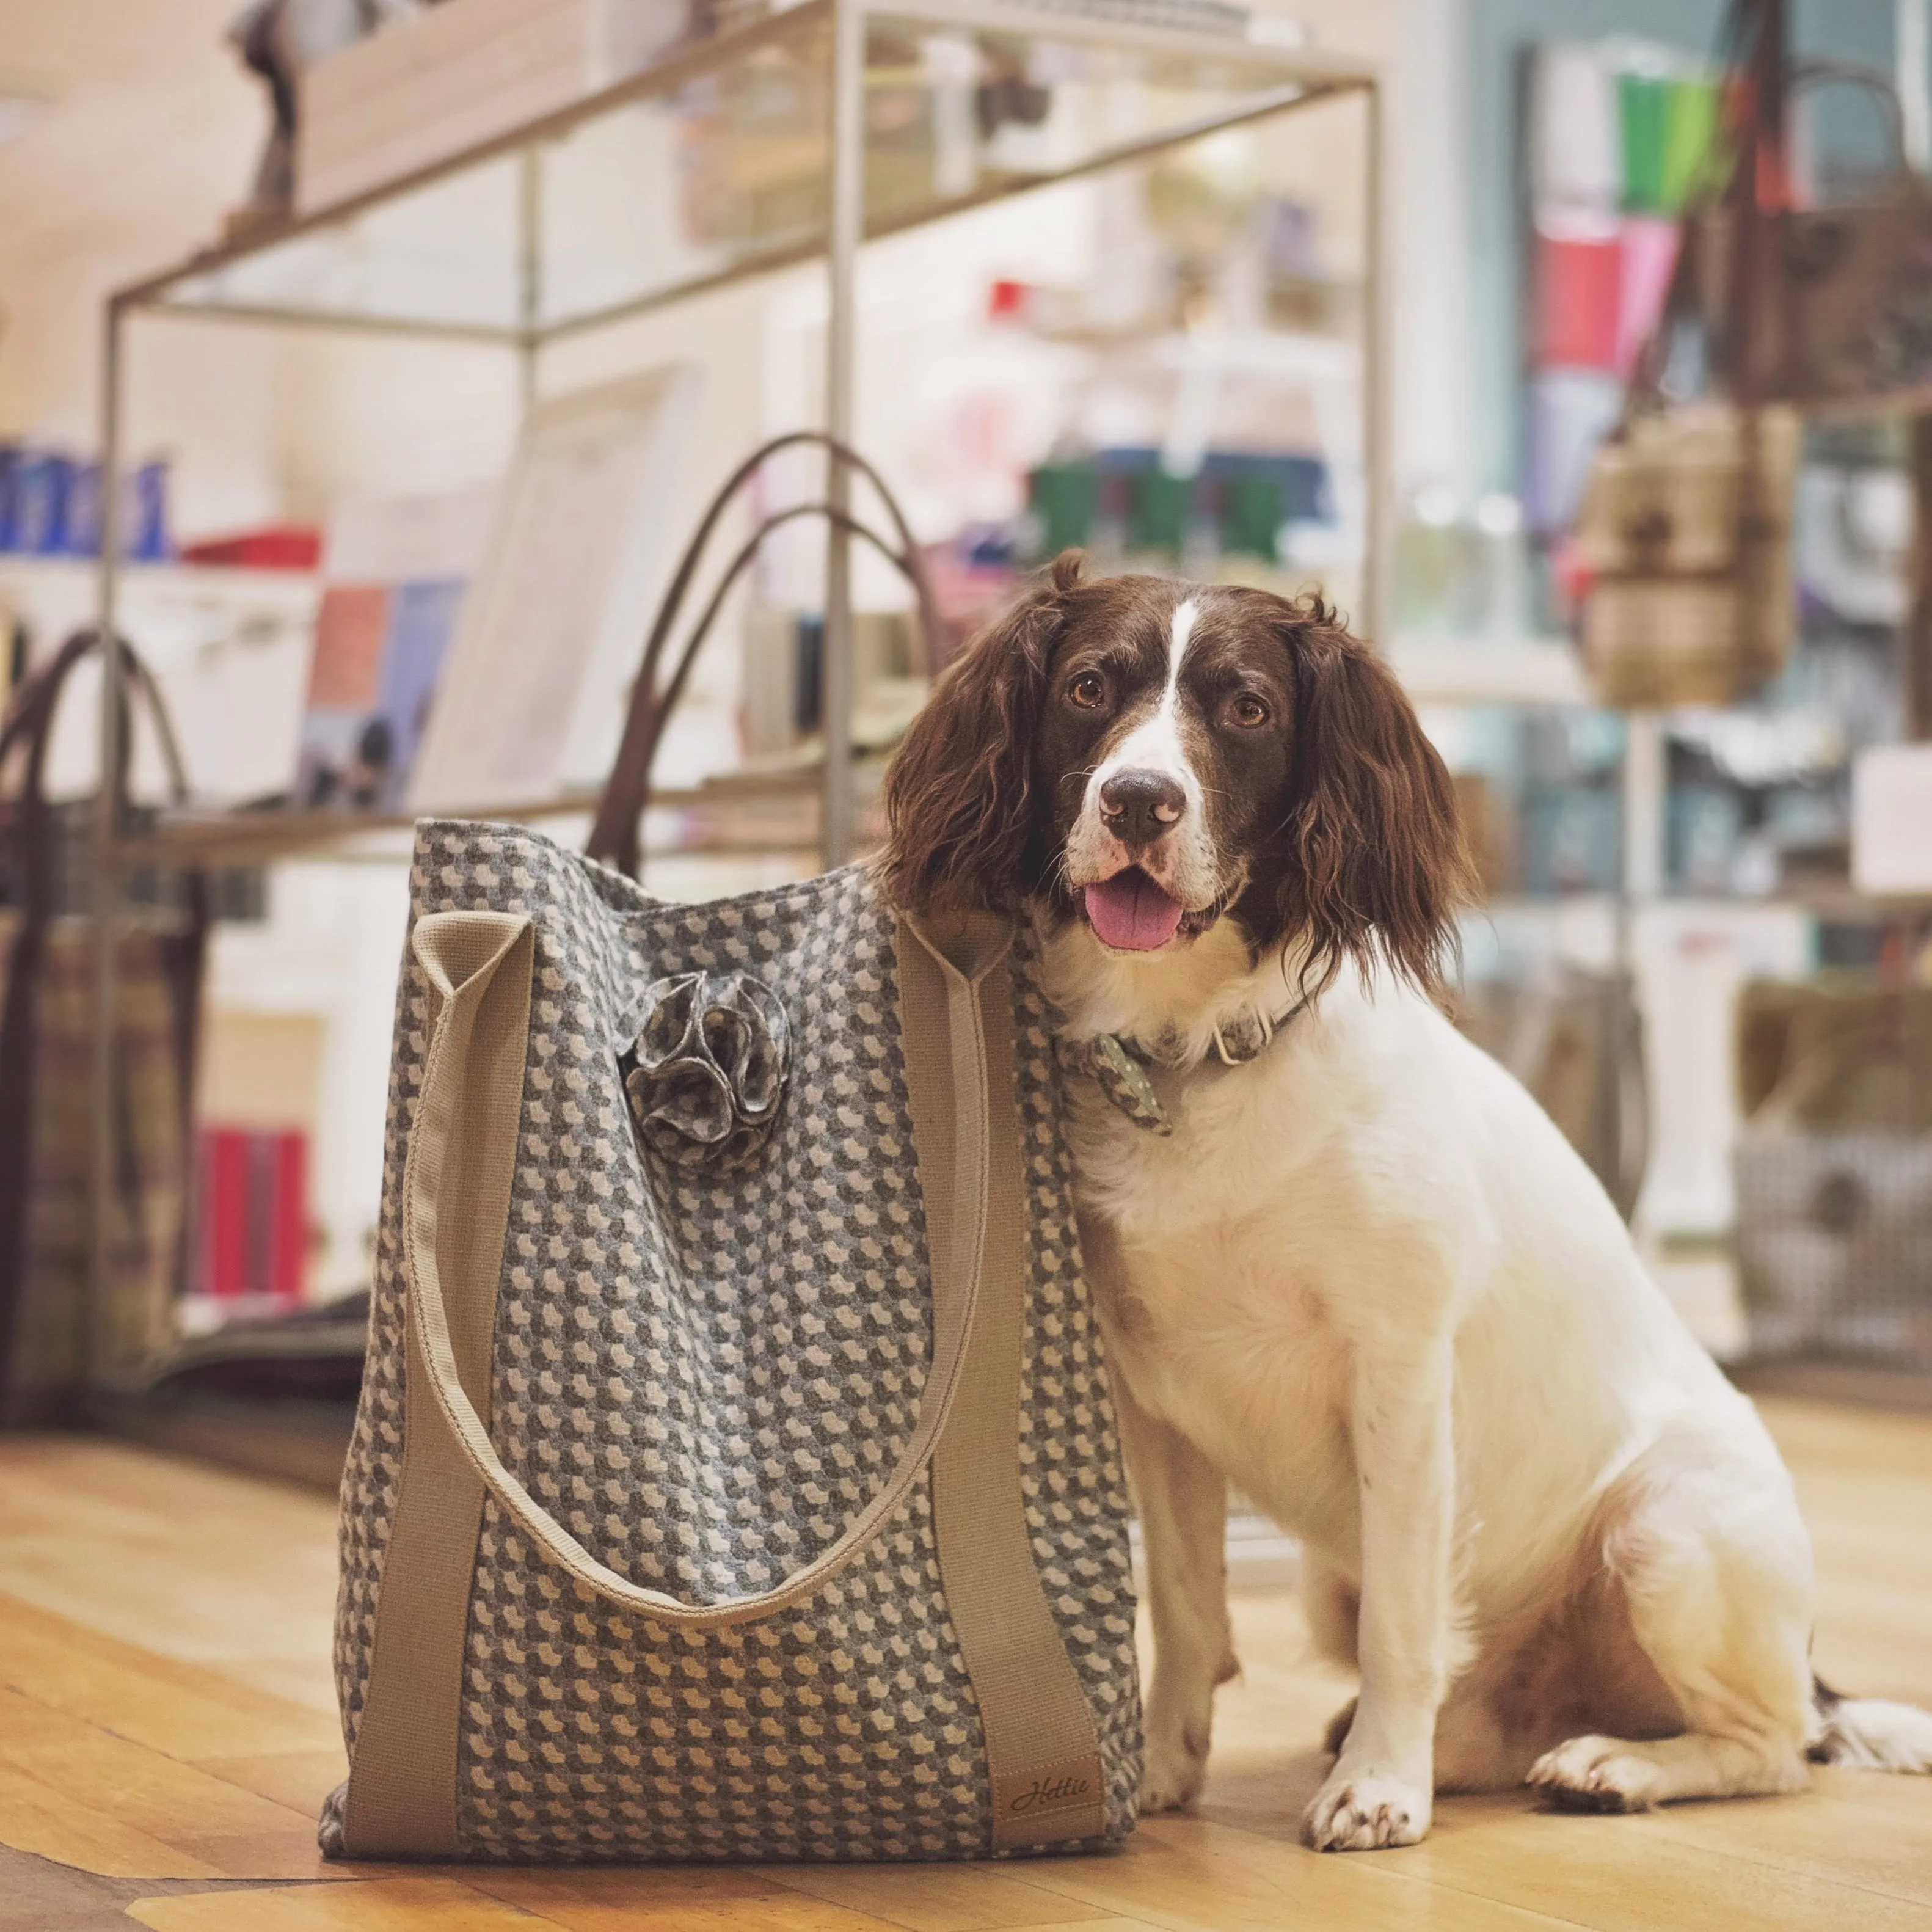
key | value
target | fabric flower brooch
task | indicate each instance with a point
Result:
(710, 1059)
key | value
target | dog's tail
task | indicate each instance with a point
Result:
(1867, 1732)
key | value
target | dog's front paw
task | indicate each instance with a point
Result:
(1594, 1773)
(1364, 1811)
(1175, 1770)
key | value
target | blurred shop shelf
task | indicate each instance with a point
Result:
(1473, 671)
(736, 813)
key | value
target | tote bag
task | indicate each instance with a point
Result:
(53, 1345)
(735, 1475)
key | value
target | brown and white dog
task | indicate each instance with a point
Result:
(1355, 1270)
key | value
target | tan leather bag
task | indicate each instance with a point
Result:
(1686, 530)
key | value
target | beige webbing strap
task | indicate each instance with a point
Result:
(462, 1157)
(1041, 1753)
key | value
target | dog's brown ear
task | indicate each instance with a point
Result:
(1376, 868)
(958, 798)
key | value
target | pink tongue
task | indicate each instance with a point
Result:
(1130, 911)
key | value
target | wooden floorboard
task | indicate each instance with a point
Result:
(167, 1731)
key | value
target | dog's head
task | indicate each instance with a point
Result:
(1151, 757)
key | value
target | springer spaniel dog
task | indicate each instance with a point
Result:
(1342, 1260)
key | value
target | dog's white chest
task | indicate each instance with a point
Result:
(1212, 1311)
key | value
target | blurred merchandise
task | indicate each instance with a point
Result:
(1063, 499)
(50, 505)
(1124, 505)
(1646, 255)
(1853, 540)
(974, 577)
(1575, 141)
(1463, 576)
(434, 83)
(1617, 133)
(1686, 531)
(783, 681)
(1489, 833)
(274, 547)
(1570, 411)
(1669, 132)
(1704, 836)
(251, 1212)
(1574, 1039)
(1619, 125)
(1578, 298)
(1837, 300)
(47, 1044)
(1892, 819)
(752, 152)
(277, 40)
(565, 556)
(1834, 1170)
(42, 493)
(378, 649)
(1573, 839)
(398, 570)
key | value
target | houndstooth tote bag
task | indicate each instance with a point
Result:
(735, 1476)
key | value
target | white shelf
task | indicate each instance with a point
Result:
(223, 579)
(1481, 670)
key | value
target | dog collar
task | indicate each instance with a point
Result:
(1120, 1065)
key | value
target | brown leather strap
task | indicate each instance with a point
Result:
(614, 834)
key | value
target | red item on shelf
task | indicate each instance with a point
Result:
(275, 547)
(1578, 290)
(253, 1211)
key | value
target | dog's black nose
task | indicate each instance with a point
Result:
(1139, 806)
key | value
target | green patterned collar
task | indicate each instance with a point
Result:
(1120, 1065)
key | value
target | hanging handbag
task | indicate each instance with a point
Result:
(1826, 306)
(1835, 302)
(55, 1344)
(1685, 529)
(735, 1475)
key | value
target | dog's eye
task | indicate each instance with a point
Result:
(1248, 709)
(1088, 691)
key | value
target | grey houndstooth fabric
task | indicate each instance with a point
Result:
(704, 1373)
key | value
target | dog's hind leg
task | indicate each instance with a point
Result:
(1184, 1514)
(1701, 1541)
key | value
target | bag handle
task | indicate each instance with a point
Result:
(614, 834)
(1869, 81)
(29, 723)
(447, 944)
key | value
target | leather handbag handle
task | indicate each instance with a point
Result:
(1877, 86)
(463, 952)
(613, 834)
(29, 723)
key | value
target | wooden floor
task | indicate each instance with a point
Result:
(167, 1728)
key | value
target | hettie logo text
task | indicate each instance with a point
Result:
(1045, 1793)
